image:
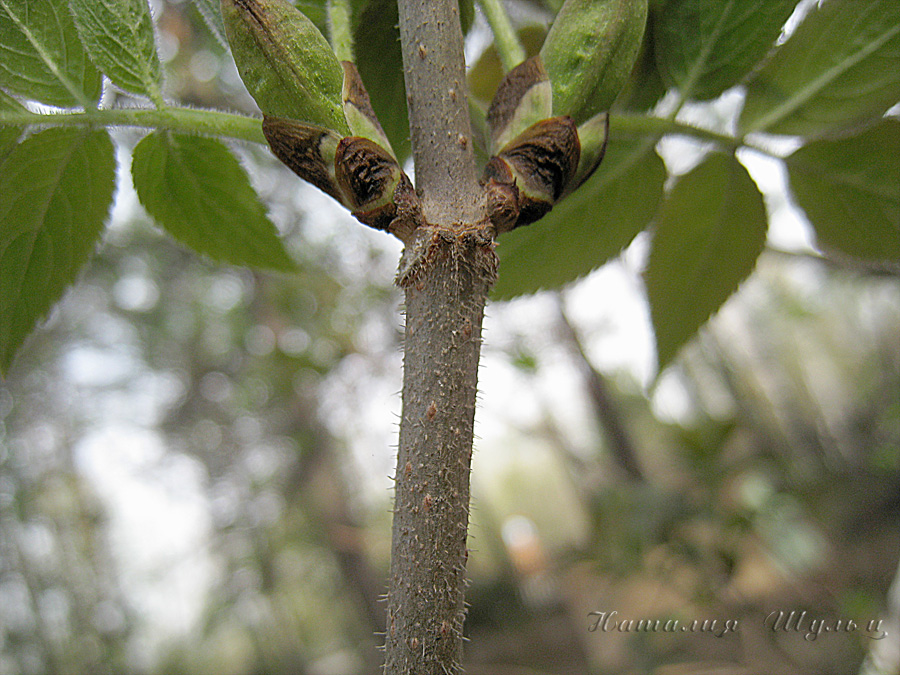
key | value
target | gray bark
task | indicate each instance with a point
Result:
(446, 273)
(436, 95)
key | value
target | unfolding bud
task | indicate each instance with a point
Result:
(589, 53)
(531, 172)
(356, 171)
(501, 194)
(375, 188)
(285, 62)
(522, 98)
(358, 109)
(592, 137)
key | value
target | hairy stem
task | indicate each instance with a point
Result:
(444, 310)
(507, 42)
(447, 270)
(187, 120)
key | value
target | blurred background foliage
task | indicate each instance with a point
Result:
(194, 460)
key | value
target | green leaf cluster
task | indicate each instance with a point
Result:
(57, 185)
(829, 83)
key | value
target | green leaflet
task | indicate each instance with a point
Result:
(839, 69)
(56, 188)
(196, 189)
(587, 228)
(710, 231)
(41, 57)
(704, 47)
(118, 36)
(850, 190)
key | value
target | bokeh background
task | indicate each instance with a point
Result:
(195, 460)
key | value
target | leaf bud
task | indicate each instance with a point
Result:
(375, 188)
(307, 150)
(589, 53)
(356, 171)
(531, 172)
(285, 62)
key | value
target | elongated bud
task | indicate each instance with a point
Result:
(356, 171)
(589, 53)
(522, 98)
(358, 109)
(530, 173)
(285, 62)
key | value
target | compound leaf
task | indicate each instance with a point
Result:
(704, 47)
(839, 69)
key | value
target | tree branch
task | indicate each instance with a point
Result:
(444, 310)
(605, 407)
(447, 270)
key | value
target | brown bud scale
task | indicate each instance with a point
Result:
(300, 147)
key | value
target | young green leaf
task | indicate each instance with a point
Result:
(524, 97)
(196, 189)
(645, 86)
(850, 190)
(588, 227)
(41, 57)
(839, 69)
(710, 231)
(56, 188)
(118, 36)
(589, 53)
(703, 47)
(285, 62)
